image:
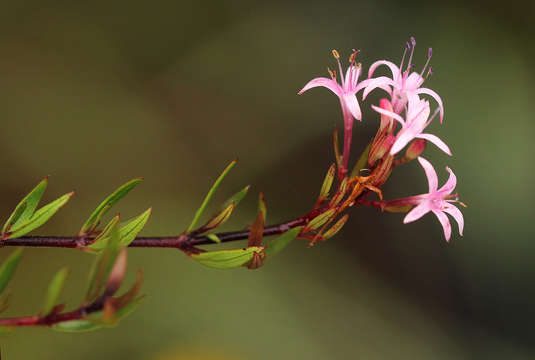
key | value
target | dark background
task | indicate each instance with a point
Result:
(94, 94)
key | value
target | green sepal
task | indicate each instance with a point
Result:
(337, 155)
(208, 196)
(26, 207)
(327, 183)
(361, 163)
(39, 217)
(8, 268)
(94, 219)
(320, 220)
(335, 228)
(54, 290)
(277, 244)
(227, 259)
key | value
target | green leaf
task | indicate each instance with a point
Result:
(214, 238)
(40, 217)
(276, 245)
(327, 183)
(54, 290)
(219, 219)
(103, 265)
(236, 198)
(26, 206)
(93, 221)
(336, 227)
(208, 197)
(8, 267)
(101, 241)
(75, 326)
(361, 163)
(320, 220)
(227, 259)
(131, 228)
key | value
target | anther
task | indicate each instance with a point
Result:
(332, 73)
(336, 55)
(413, 41)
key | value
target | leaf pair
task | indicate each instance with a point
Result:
(25, 218)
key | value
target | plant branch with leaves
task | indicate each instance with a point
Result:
(341, 190)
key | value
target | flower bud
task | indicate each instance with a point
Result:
(415, 149)
(380, 147)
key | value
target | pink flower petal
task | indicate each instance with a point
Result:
(353, 105)
(457, 215)
(321, 81)
(435, 140)
(436, 97)
(413, 82)
(393, 68)
(382, 82)
(431, 174)
(445, 222)
(389, 113)
(403, 137)
(416, 213)
(449, 186)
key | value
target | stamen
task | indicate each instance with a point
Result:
(429, 72)
(332, 73)
(407, 47)
(429, 55)
(336, 55)
(462, 204)
(353, 56)
(413, 42)
(437, 110)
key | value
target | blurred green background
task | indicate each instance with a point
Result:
(96, 93)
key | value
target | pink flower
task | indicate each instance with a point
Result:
(346, 92)
(416, 120)
(437, 200)
(403, 83)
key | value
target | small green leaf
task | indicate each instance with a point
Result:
(75, 326)
(54, 290)
(236, 198)
(208, 197)
(131, 228)
(336, 227)
(128, 308)
(327, 183)
(103, 265)
(339, 194)
(320, 220)
(397, 208)
(40, 217)
(5, 300)
(101, 241)
(26, 206)
(93, 221)
(276, 245)
(361, 163)
(8, 267)
(226, 259)
(214, 238)
(220, 218)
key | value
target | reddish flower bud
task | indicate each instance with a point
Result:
(415, 149)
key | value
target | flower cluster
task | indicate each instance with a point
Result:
(407, 105)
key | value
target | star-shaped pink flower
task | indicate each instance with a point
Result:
(403, 83)
(437, 200)
(346, 91)
(415, 122)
